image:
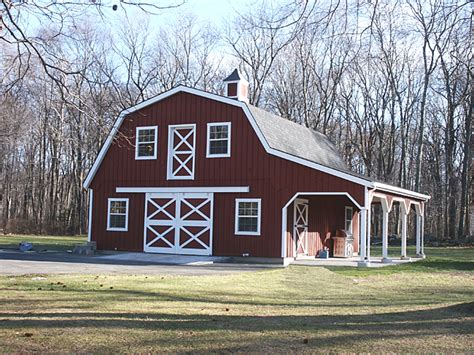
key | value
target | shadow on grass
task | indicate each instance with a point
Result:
(353, 329)
(427, 265)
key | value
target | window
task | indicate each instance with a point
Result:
(247, 216)
(146, 142)
(218, 140)
(117, 214)
(348, 224)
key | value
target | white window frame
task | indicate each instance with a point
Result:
(351, 231)
(115, 229)
(155, 152)
(208, 140)
(259, 216)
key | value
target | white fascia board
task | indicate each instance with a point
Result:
(121, 116)
(229, 101)
(301, 161)
(398, 190)
(215, 189)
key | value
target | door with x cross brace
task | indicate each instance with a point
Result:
(181, 152)
(178, 223)
(300, 226)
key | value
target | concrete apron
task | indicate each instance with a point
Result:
(165, 259)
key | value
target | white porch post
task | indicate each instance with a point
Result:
(363, 234)
(422, 231)
(369, 220)
(404, 216)
(418, 235)
(385, 258)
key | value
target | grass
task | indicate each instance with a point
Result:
(414, 309)
(41, 243)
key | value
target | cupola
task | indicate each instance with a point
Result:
(236, 87)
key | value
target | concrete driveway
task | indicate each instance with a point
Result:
(18, 263)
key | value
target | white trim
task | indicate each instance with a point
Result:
(89, 223)
(305, 202)
(178, 223)
(259, 215)
(399, 190)
(361, 181)
(155, 142)
(215, 189)
(171, 150)
(226, 100)
(284, 212)
(346, 208)
(228, 139)
(114, 229)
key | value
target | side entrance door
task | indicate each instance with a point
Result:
(178, 223)
(300, 226)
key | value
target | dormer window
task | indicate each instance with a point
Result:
(218, 140)
(146, 142)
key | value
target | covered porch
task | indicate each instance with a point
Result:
(337, 224)
(402, 210)
(316, 223)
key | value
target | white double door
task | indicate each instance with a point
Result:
(178, 223)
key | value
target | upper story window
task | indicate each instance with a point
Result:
(117, 214)
(247, 216)
(348, 223)
(218, 140)
(146, 142)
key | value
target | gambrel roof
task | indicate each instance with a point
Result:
(279, 137)
(297, 140)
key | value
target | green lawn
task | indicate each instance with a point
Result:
(416, 308)
(41, 243)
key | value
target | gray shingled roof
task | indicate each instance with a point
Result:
(295, 139)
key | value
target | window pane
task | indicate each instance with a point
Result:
(248, 224)
(248, 209)
(218, 147)
(348, 213)
(117, 221)
(146, 135)
(146, 150)
(118, 207)
(219, 132)
(348, 226)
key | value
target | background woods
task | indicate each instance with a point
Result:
(390, 82)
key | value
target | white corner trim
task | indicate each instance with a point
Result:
(208, 139)
(89, 223)
(259, 216)
(155, 142)
(215, 189)
(115, 229)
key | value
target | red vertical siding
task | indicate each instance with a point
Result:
(270, 178)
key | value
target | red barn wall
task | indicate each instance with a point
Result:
(326, 215)
(270, 178)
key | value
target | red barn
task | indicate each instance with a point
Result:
(190, 172)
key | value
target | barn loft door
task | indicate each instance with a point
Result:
(181, 152)
(178, 223)
(300, 226)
